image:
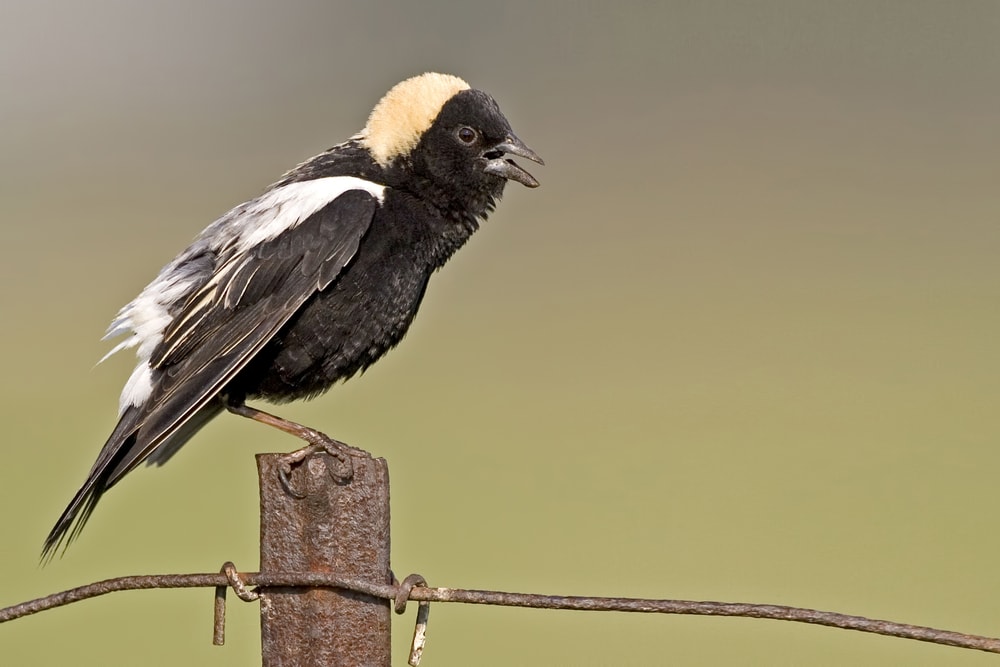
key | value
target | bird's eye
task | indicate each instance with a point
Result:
(466, 135)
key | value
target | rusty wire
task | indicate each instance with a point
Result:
(230, 578)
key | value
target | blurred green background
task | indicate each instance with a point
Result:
(741, 345)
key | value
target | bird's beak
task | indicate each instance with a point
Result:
(497, 164)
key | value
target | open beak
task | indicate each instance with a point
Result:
(497, 164)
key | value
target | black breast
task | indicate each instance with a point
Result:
(363, 314)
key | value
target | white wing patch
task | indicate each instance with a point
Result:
(234, 234)
(283, 208)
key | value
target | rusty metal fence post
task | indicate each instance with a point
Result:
(337, 526)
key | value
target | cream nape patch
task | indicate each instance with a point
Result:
(402, 116)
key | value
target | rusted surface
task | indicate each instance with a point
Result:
(337, 527)
(392, 592)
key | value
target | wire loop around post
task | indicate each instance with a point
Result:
(403, 591)
(237, 584)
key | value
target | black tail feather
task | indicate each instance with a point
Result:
(71, 522)
(129, 445)
(122, 440)
(76, 514)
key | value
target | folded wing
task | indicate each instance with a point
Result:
(251, 294)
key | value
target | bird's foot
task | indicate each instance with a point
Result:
(342, 471)
(341, 468)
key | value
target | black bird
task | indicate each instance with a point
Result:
(309, 283)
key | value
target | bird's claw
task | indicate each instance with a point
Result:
(341, 468)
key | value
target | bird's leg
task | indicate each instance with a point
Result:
(318, 442)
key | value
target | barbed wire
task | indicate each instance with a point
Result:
(414, 588)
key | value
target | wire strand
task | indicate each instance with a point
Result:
(499, 598)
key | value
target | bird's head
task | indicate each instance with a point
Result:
(441, 129)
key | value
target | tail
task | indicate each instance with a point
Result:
(122, 441)
(124, 450)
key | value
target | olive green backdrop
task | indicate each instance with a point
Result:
(741, 345)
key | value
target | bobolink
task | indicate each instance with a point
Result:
(309, 283)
